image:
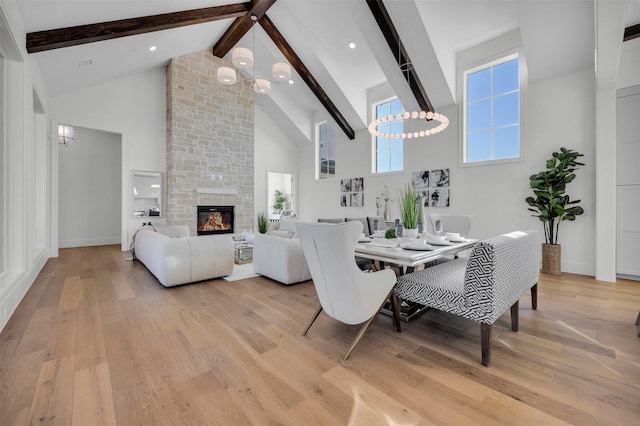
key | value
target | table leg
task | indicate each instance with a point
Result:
(395, 306)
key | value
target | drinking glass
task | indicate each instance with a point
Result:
(400, 230)
(438, 227)
(375, 226)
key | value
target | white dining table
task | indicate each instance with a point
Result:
(378, 249)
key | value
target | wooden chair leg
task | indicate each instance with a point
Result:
(395, 305)
(514, 316)
(534, 298)
(313, 319)
(485, 338)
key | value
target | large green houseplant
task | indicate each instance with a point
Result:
(551, 203)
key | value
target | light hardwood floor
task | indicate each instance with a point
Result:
(97, 340)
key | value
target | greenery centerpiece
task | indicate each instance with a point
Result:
(551, 203)
(409, 207)
(263, 223)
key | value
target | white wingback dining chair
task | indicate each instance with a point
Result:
(346, 293)
(460, 223)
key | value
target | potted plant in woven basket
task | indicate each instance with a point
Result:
(552, 205)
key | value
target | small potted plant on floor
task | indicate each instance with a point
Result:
(552, 205)
(263, 223)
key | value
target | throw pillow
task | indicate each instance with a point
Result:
(169, 231)
(287, 224)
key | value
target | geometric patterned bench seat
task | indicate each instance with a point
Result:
(499, 271)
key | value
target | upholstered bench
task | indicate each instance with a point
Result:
(499, 271)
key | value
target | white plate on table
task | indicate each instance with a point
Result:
(364, 240)
(439, 243)
(417, 246)
(457, 240)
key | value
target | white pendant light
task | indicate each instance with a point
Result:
(226, 75)
(281, 71)
(242, 57)
(262, 86)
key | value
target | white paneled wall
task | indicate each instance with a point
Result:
(628, 182)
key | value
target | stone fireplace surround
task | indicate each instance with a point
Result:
(210, 141)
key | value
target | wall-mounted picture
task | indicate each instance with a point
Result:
(440, 197)
(420, 179)
(357, 184)
(357, 199)
(351, 192)
(439, 177)
(424, 196)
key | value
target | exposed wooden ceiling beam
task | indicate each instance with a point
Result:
(399, 53)
(305, 74)
(631, 32)
(72, 36)
(240, 27)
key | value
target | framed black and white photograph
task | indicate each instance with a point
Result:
(439, 177)
(357, 199)
(420, 179)
(357, 184)
(345, 199)
(345, 185)
(440, 197)
(424, 196)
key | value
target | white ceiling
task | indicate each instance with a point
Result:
(557, 36)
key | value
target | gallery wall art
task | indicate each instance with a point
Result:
(352, 192)
(432, 186)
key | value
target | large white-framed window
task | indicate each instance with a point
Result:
(387, 153)
(325, 151)
(492, 117)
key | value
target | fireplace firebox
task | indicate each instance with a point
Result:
(215, 220)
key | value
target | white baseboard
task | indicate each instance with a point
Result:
(16, 286)
(89, 242)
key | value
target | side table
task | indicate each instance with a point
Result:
(243, 253)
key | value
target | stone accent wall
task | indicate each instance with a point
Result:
(210, 141)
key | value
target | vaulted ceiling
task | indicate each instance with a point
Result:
(557, 37)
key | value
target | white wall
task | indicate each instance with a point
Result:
(26, 151)
(274, 151)
(133, 107)
(90, 184)
(558, 112)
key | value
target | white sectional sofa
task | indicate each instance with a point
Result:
(176, 258)
(280, 258)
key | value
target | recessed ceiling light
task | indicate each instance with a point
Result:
(290, 81)
(352, 45)
(152, 49)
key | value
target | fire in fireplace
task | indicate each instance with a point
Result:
(215, 220)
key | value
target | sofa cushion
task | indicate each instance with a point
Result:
(173, 231)
(331, 220)
(287, 224)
